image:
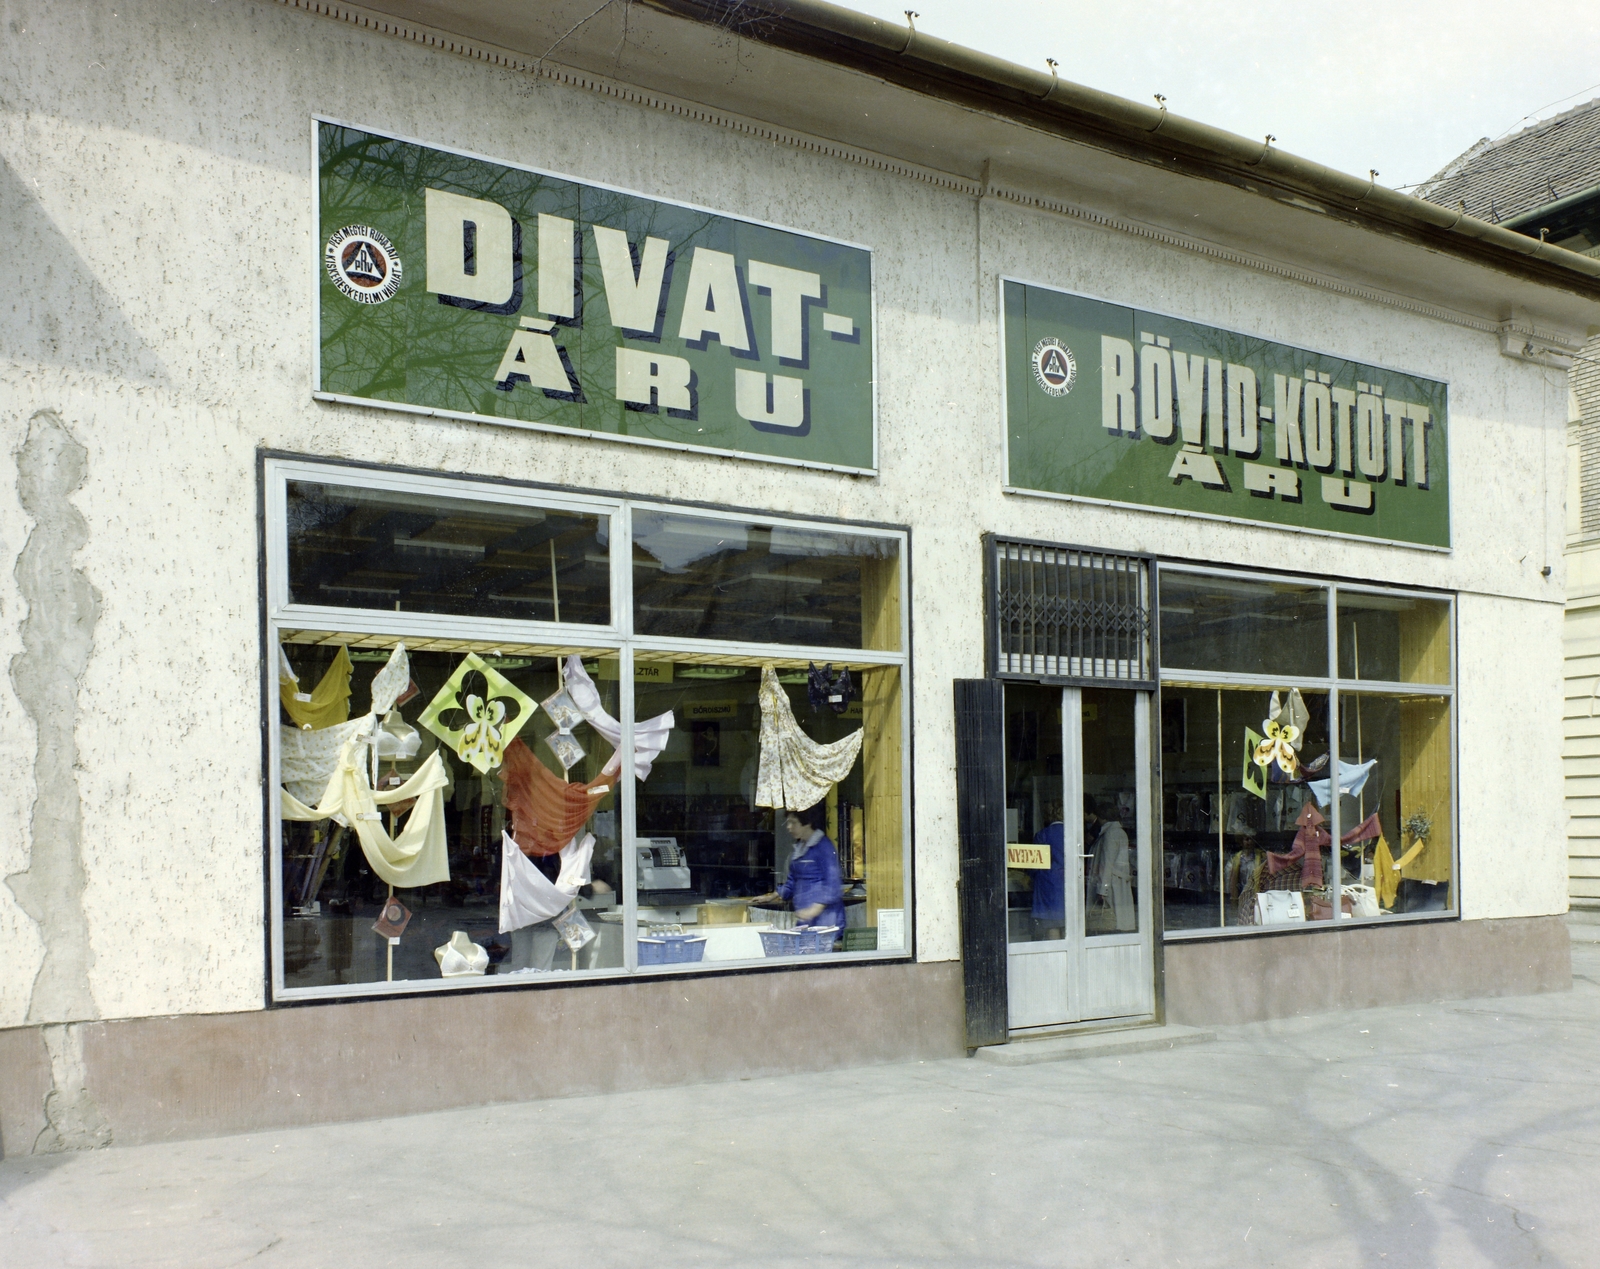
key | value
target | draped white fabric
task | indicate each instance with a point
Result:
(527, 896)
(649, 737)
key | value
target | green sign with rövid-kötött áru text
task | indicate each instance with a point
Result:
(1118, 405)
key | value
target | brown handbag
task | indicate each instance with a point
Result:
(1319, 907)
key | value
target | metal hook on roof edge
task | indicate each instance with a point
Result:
(911, 23)
(1265, 146)
(1055, 77)
(1459, 215)
(1372, 184)
(1162, 102)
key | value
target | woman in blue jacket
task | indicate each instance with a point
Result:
(813, 885)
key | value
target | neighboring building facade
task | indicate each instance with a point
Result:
(1544, 181)
(484, 523)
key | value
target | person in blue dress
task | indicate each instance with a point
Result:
(1050, 884)
(814, 884)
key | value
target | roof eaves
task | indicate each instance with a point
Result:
(921, 63)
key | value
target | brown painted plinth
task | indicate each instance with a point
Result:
(1256, 977)
(157, 1079)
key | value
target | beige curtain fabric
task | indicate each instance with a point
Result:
(416, 856)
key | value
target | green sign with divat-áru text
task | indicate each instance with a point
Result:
(463, 287)
(1118, 405)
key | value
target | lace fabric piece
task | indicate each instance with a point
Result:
(416, 856)
(527, 896)
(307, 759)
(795, 772)
(649, 737)
(546, 811)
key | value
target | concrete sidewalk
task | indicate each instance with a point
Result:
(1460, 1134)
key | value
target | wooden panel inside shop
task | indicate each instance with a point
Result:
(1425, 781)
(1425, 643)
(880, 604)
(881, 785)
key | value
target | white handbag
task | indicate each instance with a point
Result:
(1279, 907)
(1363, 900)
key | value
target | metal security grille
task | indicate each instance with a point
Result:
(1065, 612)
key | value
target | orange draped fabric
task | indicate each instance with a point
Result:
(546, 811)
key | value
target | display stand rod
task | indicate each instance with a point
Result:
(1355, 643)
(390, 942)
(555, 591)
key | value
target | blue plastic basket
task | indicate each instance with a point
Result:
(816, 938)
(671, 949)
(781, 942)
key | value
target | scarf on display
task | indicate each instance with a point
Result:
(324, 705)
(527, 896)
(309, 756)
(416, 856)
(547, 811)
(1386, 869)
(795, 772)
(1307, 849)
(649, 737)
(1352, 779)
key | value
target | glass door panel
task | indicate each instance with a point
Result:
(1036, 890)
(1111, 811)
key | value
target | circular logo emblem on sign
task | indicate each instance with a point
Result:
(1054, 367)
(363, 264)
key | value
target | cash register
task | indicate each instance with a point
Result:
(665, 890)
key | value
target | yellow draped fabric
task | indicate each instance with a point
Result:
(330, 699)
(414, 857)
(1386, 872)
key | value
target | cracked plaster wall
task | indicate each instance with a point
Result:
(156, 188)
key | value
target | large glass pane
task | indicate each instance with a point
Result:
(1233, 829)
(755, 583)
(716, 864)
(1395, 638)
(1242, 626)
(1398, 813)
(1110, 812)
(517, 790)
(351, 547)
(1036, 894)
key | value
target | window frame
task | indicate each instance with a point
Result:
(1335, 686)
(279, 615)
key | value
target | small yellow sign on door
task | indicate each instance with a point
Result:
(1022, 856)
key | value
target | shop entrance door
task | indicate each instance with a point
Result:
(1078, 919)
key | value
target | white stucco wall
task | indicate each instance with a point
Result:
(157, 176)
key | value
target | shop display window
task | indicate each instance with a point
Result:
(704, 578)
(350, 547)
(1242, 625)
(1290, 803)
(1393, 638)
(451, 808)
